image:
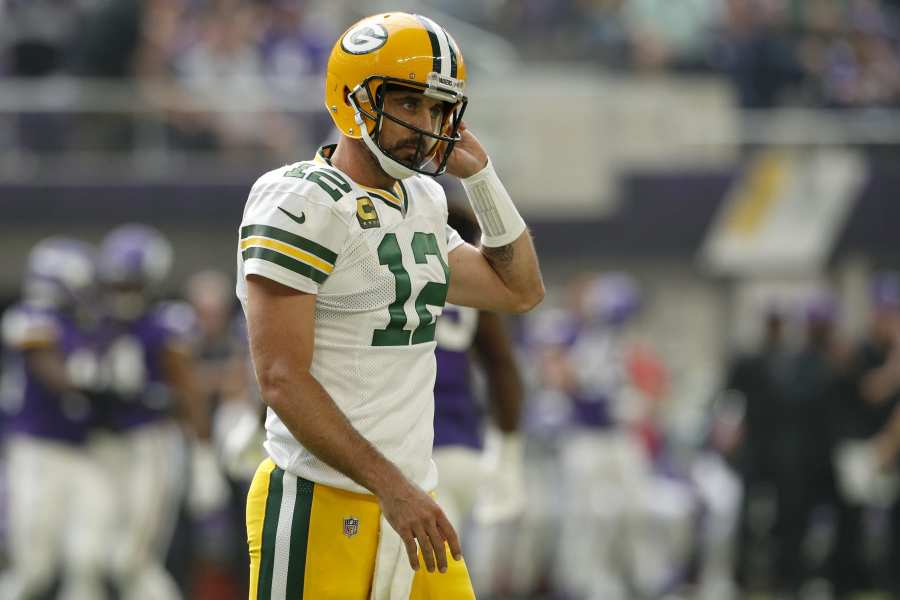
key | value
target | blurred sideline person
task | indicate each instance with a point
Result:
(545, 420)
(757, 380)
(151, 380)
(871, 414)
(720, 495)
(470, 478)
(218, 346)
(58, 497)
(671, 495)
(344, 265)
(605, 469)
(802, 442)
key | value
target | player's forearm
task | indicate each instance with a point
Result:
(505, 241)
(505, 389)
(313, 418)
(193, 411)
(47, 367)
(516, 265)
(495, 352)
(193, 403)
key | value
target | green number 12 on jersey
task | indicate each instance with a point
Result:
(433, 293)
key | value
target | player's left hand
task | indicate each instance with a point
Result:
(468, 156)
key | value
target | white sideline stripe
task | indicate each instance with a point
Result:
(283, 537)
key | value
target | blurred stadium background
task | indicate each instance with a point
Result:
(738, 159)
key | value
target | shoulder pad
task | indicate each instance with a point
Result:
(322, 179)
(424, 187)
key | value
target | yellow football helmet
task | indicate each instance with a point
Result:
(403, 50)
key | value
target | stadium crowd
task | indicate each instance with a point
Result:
(817, 53)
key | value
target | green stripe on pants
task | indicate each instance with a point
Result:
(300, 537)
(270, 530)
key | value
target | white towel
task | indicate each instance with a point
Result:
(393, 576)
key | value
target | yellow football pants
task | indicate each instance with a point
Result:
(314, 542)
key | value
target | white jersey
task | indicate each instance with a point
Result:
(377, 262)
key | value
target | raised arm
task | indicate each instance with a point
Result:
(505, 279)
(280, 323)
(503, 273)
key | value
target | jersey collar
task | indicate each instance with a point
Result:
(323, 155)
(397, 197)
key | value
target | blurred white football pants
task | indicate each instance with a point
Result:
(146, 464)
(460, 474)
(721, 492)
(461, 477)
(60, 503)
(606, 479)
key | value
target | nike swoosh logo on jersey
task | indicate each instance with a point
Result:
(301, 219)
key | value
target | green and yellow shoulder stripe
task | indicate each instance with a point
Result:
(288, 250)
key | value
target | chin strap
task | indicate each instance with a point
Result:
(390, 166)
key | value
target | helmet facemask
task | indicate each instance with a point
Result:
(432, 147)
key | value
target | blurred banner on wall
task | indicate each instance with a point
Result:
(784, 212)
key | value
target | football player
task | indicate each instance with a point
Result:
(869, 427)
(58, 497)
(149, 374)
(343, 267)
(604, 467)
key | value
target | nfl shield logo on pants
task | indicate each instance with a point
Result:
(351, 526)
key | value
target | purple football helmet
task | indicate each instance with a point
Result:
(60, 273)
(550, 327)
(611, 299)
(134, 261)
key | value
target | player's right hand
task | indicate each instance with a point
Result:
(468, 156)
(417, 518)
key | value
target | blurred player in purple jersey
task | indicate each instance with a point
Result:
(459, 435)
(604, 466)
(150, 375)
(57, 496)
(470, 478)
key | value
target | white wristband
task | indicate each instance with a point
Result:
(500, 222)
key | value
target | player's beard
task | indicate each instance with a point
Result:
(405, 152)
(411, 152)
